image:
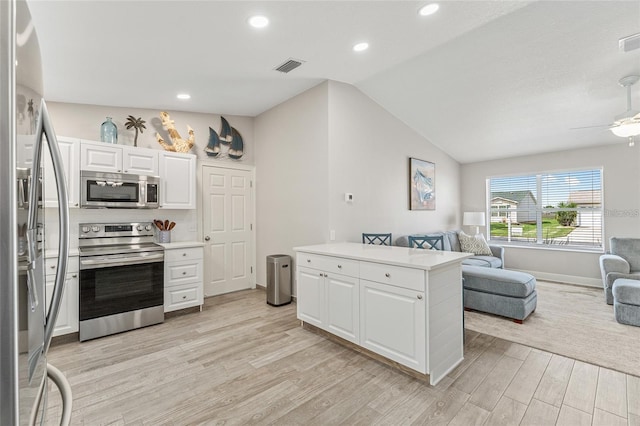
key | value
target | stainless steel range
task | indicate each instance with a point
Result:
(121, 278)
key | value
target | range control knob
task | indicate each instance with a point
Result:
(86, 229)
(139, 227)
(148, 227)
(95, 228)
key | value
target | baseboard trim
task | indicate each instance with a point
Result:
(564, 279)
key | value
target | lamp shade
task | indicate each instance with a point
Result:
(473, 219)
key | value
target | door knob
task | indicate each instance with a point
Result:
(207, 238)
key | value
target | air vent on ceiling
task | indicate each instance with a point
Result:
(631, 42)
(289, 65)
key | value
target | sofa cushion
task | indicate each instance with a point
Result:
(498, 281)
(626, 291)
(474, 244)
(452, 241)
(484, 261)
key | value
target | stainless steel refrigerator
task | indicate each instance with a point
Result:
(26, 135)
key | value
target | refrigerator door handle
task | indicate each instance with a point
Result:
(46, 129)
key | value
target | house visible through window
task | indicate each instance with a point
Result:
(555, 209)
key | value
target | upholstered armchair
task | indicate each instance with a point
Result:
(622, 262)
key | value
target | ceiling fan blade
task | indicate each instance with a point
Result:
(603, 126)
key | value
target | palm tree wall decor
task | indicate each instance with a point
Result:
(137, 124)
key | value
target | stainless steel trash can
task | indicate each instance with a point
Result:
(278, 279)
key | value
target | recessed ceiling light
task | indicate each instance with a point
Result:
(183, 96)
(360, 47)
(429, 9)
(258, 21)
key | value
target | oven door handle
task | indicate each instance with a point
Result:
(107, 262)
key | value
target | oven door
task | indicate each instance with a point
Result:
(114, 284)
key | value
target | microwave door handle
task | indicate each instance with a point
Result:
(142, 188)
(63, 224)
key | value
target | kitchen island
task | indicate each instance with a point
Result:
(399, 303)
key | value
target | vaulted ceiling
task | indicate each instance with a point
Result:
(479, 79)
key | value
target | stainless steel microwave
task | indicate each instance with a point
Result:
(120, 191)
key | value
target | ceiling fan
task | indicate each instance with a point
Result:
(627, 124)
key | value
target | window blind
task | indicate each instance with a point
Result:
(559, 208)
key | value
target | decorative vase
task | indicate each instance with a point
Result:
(109, 132)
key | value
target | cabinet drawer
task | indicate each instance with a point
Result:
(51, 265)
(329, 264)
(181, 272)
(181, 297)
(398, 276)
(183, 254)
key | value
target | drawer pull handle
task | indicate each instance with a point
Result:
(184, 273)
(74, 276)
(308, 260)
(52, 266)
(325, 275)
(339, 266)
(388, 275)
(321, 274)
(184, 254)
(184, 297)
(419, 297)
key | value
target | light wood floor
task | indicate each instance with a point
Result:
(241, 361)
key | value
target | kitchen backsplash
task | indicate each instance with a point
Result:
(186, 228)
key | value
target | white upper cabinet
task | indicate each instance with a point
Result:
(140, 161)
(102, 157)
(69, 148)
(178, 185)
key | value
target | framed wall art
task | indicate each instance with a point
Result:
(422, 185)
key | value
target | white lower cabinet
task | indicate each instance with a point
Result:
(392, 301)
(311, 296)
(393, 323)
(68, 315)
(343, 309)
(329, 301)
(182, 277)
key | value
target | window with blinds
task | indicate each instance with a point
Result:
(558, 209)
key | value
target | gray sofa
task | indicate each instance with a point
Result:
(622, 262)
(452, 243)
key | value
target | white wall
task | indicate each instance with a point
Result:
(291, 176)
(369, 151)
(621, 179)
(83, 121)
(330, 140)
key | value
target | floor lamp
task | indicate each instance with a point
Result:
(474, 219)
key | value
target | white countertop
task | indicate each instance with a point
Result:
(181, 244)
(391, 255)
(48, 253)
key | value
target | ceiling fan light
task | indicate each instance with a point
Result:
(626, 130)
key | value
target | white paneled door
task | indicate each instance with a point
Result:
(227, 214)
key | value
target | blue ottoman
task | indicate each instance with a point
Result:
(510, 294)
(626, 301)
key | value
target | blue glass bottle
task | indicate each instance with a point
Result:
(109, 132)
